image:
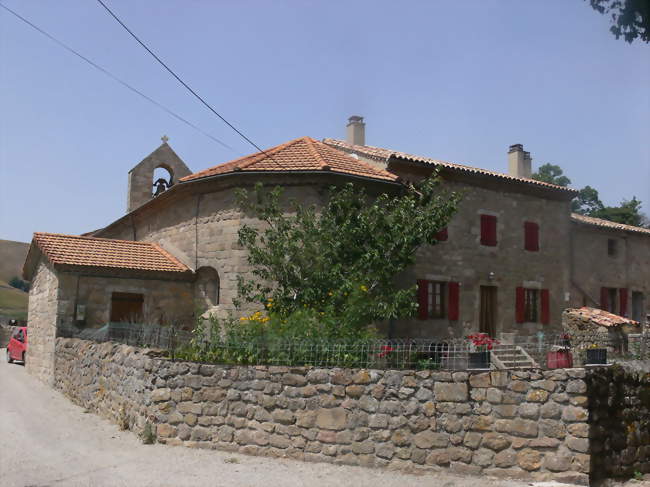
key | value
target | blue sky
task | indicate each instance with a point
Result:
(458, 81)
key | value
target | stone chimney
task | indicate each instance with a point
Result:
(356, 133)
(519, 162)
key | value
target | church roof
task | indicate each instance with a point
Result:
(299, 155)
(104, 253)
(383, 154)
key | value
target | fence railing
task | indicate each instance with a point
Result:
(545, 352)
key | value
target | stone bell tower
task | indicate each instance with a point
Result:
(141, 183)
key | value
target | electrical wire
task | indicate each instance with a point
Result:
(196, 95)
(115, 78)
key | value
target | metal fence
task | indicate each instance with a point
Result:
(520, 352)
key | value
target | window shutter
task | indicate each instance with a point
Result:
(546, 316)
(423, 295)
(488, 230)
(519, 305)
(604, 298)
(442, 235)
(623, 301)
(531, 236)
(454, 295)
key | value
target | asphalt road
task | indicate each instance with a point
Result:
(45, 440)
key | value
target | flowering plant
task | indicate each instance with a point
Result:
(482, 341)
(385, 350)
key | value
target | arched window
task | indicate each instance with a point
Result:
(207, 286)
(163, 178)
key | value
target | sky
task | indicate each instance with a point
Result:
(457, 81)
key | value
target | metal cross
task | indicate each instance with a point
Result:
(164, 138)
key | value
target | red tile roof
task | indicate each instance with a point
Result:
(599, 316)
(599, 222)
(106, 253)
(303, 154)
(381, 154)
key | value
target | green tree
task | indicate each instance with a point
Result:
(18, 283)
(630, 18)
(627, 213)
(341, 259)
(550, 173)
(587, 202)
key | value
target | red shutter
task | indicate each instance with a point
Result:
(546, 316)
(519, 305)
(423, 299)
(454, 295)
(623, 301)
(604, 298)
(442, 235)
(531, 236)
(488, 230)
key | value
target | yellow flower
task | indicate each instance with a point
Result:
(243, 318)
(364, 288)
(330, 293)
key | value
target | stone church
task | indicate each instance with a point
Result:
(510, 261)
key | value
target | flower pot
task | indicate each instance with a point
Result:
(596, 356)
(479, 360)
(560, 359)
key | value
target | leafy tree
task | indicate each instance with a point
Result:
(550, 173)
(630, 18)
(340, 260)
(627, 213)
(587, 202)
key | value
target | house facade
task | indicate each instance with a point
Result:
(510, 261)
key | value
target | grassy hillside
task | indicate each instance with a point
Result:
(12, 258)
(13, 303)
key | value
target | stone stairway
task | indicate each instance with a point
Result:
(511, 357)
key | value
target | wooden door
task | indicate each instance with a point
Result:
(126, 307)
(488, 311)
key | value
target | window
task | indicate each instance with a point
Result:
(532, 306)
(438, 299)
(612, 247)
(609, 299)
(488, 230)
(531, 236)
(207, 287)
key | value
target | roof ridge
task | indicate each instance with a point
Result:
(363, 163)
(167, 254)
(314, 151)
(608, 223)
(404, 155)
(83, 237)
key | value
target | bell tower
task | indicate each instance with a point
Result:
(141, 183)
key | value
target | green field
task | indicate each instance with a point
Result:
(13, 302)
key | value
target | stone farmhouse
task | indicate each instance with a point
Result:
(511, 260)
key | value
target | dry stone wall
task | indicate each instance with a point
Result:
(528, 424)
(619, 403)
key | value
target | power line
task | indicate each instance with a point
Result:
(115, 78)
(183, 82)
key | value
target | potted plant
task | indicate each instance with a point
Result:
(559, 356)
(482, 345)
(596, 355)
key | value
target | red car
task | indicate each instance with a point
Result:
(17, 347)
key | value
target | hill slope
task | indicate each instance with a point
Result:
(13, 302)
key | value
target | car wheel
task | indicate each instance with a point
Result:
(9, 359)
(23, 357)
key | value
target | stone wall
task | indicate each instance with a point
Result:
(619, 405)
(521, 424)
(42, 318)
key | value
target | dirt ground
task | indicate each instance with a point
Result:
(47, 441)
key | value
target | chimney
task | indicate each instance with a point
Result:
(356, 131)
(519, 162)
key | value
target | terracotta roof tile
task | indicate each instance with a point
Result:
(303, 154)
(104, 252)
(382, 154)
(599, 316)
(599, 222)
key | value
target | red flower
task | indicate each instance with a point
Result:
(385, 350)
